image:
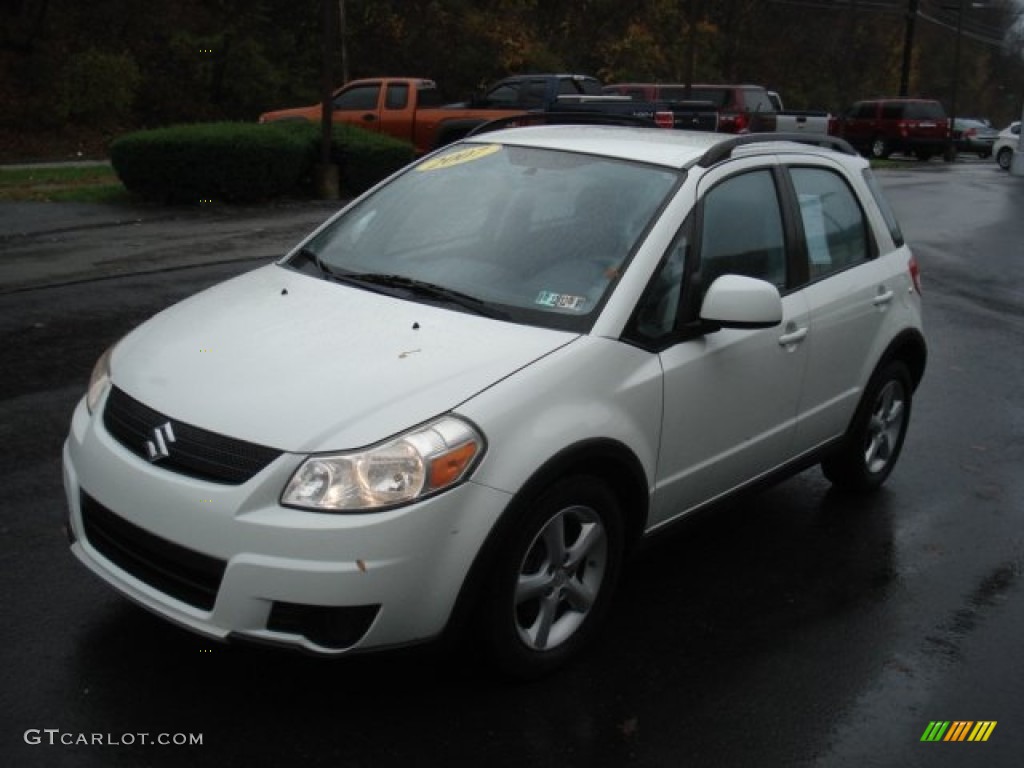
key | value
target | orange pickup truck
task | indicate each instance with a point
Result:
(411, 109)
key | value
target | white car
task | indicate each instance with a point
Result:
(1006, 144)
(472, 391)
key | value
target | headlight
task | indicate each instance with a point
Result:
(99, 380)
(416, 464)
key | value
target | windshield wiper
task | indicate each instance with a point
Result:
(328, 273)
(308, 254)
(427, 290)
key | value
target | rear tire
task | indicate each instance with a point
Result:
(1005, 158)
(873, 443)
(552, 582)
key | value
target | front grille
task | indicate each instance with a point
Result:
(193, 451)
(189, 576)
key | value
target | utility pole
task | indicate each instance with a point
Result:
(908, 48)
(343, 30)
(326, 173)
(951, 151)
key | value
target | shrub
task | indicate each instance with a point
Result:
(235, 162)
(242, 162)
(365, 158)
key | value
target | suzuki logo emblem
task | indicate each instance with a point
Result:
(156, 448)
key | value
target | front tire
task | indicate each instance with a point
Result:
(873, 443)
(552, 582)
(880, 148)
(1005, 158)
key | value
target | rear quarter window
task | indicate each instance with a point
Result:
(883, 205)
(925, 110)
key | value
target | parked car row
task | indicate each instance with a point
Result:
(412, 109)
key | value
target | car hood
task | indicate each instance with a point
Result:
(300, 364)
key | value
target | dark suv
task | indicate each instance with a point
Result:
(881, 127)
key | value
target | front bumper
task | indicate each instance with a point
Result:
(227, 560)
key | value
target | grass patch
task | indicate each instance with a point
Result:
(67, 184)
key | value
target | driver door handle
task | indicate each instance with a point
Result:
(793, 335)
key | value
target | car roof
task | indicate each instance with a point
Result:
(656, 146)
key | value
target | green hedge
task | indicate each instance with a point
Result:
(241, 162)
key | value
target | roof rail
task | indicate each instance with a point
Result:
(562, 118)
(723, 150)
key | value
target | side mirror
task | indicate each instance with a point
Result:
(735, 301)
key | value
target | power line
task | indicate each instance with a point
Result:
(932, 12)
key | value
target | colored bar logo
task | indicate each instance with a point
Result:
(958, 730)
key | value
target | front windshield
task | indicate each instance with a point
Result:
(536, 236)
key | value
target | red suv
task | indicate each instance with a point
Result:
(881, 127)
(738, 105)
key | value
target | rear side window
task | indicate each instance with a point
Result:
(756, 100)
(835, 229)
(892, 110)
(884, 207)
(397, 96)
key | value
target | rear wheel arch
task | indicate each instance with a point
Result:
(873, 440)
(909, 348)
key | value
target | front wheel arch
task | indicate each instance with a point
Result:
(607, 459)
(553, 577)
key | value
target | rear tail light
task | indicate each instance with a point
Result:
(664, 120)
(731, 122)
(915, 274)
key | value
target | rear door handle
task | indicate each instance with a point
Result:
(883, 297)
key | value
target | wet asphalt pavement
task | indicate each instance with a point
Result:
(796, 627)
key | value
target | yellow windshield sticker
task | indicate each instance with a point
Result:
(458, 157)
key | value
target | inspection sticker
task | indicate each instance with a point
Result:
(458, 157)
(560, 301)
